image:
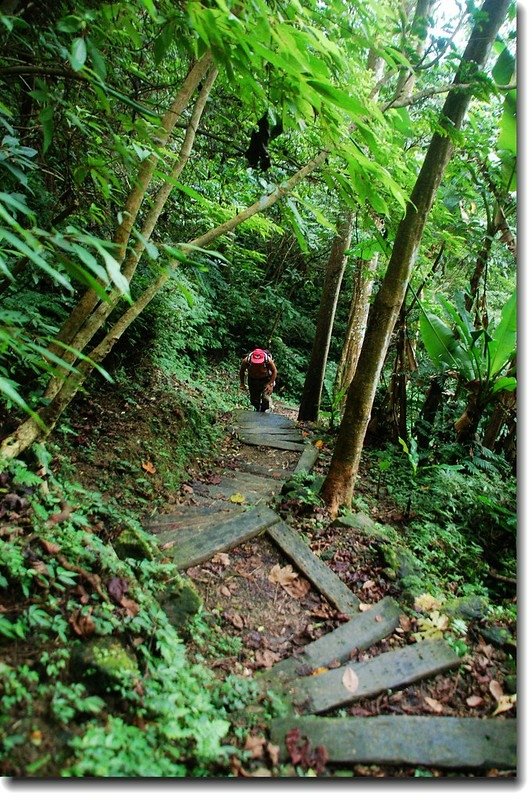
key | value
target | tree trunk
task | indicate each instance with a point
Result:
(427, 415)
(338, 486)
(356, 324)
(94, 322)
(311, 397)
(28, 432)
(503, 411)
(134, 200)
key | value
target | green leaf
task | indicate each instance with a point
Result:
(69, 24)
(78, 54)
(504, 68)
(46, 118)
(442, 346)
(22, 247)
(502, 347)
(340, 98)
(297, 224)
(7, 388)
(113, 270)
(504, 384)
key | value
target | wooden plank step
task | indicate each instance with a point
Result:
(187, 515)
(388, 671)
(290, 436)
(277, 473)
(192, 548)
(253, 489)
(430, 741)
(323, 578)
(184, 529)
(307, 459)
(359, 633)
(265, 440)
(256, 418)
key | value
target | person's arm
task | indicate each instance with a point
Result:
(243, 368)
(273, 373)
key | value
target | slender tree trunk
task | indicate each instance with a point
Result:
(311, 397)
(29, 432)
(356, 324)
(338, 486)
(94, 322)
(503, 412)
(134, 200)
(397, 404)
(427, 415)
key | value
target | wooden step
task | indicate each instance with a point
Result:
(283, 435)
(430, 741)
(193, 547)
(253, 489)
(388, 671)
(323, 578)
(269, 440)
(242, 418)
(277, 473)
(307, 459)
(359, 633)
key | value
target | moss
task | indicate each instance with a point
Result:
(103, 663)
(132, 544)
(471, 607)
(180, 602)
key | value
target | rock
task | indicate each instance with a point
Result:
(470, 607)
(104, 663)
(135, 545)
(363, 523)
(497, 635)
(180, 601)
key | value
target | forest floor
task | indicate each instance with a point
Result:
(254, 597)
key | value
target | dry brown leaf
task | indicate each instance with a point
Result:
(266, 658)
(365, 606)
(51, 547)
(434, 704)
(319, 444)
(36, 738)
(378, 618)
(368, 584)
(221, 558)
(350, 680)
(474, 700)
(225, 591)
(273, 753)
(261, 772)
(82, 624)
(405, 622)
(319, 670)
(282, 575)
(131, 606)
(148, 467)
(235, 619)
(496, 689)
(255, 745)
(298, 588)
(505, 703)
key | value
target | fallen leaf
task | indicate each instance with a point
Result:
(148, 466)
(474, 700)
(319, 444)
(234, 618)
(319, 670)
(131, 606)
(365, 606)
(168, 545)
(187, 489)
(51, 547)
(261, 772)
(36, 738)
(266, 658)
(117, 588)
(434, 704)
(255, 745)
(378, 618)
(496, 689)
(82, 625)
(221, 558)
(273, 751)
(405, 622)
(350, 680)
(237, 498)
(297, 588)
(225, 591)
(504, 703)
(368, 584)
(282, 575)
(61, 516)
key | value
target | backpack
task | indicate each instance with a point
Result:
(262, 369)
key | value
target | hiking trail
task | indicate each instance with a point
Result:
(332, 671)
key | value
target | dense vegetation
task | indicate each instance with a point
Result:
(176, 179)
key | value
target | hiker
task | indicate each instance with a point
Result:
(262, 373)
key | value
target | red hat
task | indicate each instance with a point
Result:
(258, 356)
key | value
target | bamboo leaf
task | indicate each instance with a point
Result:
(78, 54)
(502, 347)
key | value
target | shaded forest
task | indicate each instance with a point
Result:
(184, 182)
